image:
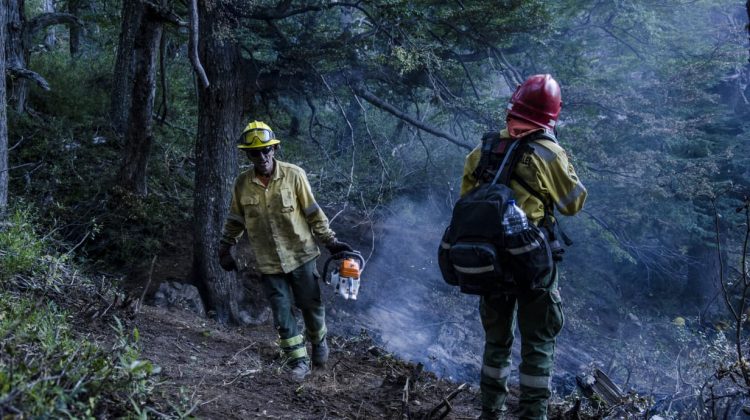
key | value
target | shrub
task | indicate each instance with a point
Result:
(20, 247)
(46, 370)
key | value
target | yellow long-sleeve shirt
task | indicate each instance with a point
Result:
(280, 219)
(545, 169)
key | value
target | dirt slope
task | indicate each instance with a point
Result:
(237, 373)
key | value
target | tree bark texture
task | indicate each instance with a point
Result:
(122, 80)
(139, 135)
(17, 40)
(50, 38)
(16, 55)
(746, 93)
(219, 119)
(75, 31)
(3, 120)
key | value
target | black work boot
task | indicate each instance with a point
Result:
(490, 414)
(299, 369)
(320, 353)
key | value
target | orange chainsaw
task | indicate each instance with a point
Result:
(345, 276)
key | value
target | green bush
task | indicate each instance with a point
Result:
(47, 371)
(20, 247)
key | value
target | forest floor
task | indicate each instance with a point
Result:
(238, 373)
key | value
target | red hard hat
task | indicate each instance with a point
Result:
(537, 101)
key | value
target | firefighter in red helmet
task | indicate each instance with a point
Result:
(543, 180)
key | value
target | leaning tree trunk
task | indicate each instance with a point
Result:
(140, 136)
(3, 120)
(122, 81)
(15, 53)
(219, 118)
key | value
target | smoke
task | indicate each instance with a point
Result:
(403, 301)
(405, 305)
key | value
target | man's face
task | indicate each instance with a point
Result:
(262, 159)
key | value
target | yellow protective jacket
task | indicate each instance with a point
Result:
(280, 219)
(546, 169)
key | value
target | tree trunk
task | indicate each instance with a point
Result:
(75, 31)
(16, 55)
(3, 119)
(50, 39)
(746, 93)
(122, 80)
(140, 136)
(219, 119)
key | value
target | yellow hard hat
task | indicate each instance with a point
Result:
(257, 135)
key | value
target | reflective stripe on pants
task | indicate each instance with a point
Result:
(316, 337)
(496, 373)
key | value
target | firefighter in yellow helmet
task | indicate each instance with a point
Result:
(274, 203)
(542, 180)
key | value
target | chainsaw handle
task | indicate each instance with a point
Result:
(325, 269)
(354, 254)
(339, 256)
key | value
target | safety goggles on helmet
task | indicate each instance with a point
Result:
(257, 152)
(261, 135)
(256, 135)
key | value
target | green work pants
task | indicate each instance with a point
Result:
(540, 319)
(299, 288)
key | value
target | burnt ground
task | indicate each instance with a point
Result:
(238, 373)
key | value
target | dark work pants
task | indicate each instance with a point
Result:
(299, 288)
(540, 319)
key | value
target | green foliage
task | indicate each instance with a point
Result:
(70, 157)
(46, 370)
(20, 247)
(80, 88)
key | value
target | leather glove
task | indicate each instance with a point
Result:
(226, 260)
(336, 246)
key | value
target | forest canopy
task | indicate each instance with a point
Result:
(119, 123)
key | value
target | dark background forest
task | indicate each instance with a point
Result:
(118, 128)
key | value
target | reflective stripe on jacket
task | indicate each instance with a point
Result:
(280, 219)
(545, 169)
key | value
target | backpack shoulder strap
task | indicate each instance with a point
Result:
(496, 151)
(542, 135)
(489, 142)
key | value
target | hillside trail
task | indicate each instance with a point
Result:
(237, 372)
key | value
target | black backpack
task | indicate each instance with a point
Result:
(475, 254)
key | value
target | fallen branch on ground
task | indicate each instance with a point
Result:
(444, 408)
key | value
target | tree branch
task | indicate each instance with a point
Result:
(622, 41)
(48, 19)
(165, 14)
(282, 11)
(374, 100)
(193, 44)
(22, 73)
